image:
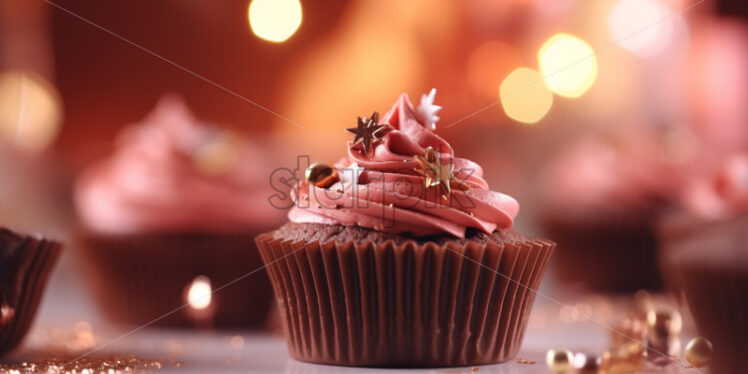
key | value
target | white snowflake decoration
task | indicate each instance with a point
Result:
(349, 176)
(427, 110)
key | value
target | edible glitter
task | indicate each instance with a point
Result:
(525, 362)
(86, 365)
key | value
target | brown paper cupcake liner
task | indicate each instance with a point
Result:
(143, 279)
(404, 305)
(25, 266)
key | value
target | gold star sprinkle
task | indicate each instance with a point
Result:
(369, 132)
(438, 174)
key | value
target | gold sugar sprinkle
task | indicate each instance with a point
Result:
(525, 362)
(86, 365)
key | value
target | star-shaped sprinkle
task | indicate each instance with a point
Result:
(438, 174)
(369, 132)
(427, 110)
(349, 176)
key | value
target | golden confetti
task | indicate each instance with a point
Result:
(369, 132)
(438, 174)
(86, 365)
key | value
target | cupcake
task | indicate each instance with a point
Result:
(170, 216)
(705, 256)
(399, 255)
(25, 264)
(600, 203)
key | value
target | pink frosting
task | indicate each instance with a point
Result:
(390, 196)
(152, 182)
(628, 174)
(723, 194)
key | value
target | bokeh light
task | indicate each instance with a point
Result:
(30, 110)
(556, 7)
(199, 293)
(643, 27)
(568, 64)
(489, 64)
(274, 20)
(524, 96)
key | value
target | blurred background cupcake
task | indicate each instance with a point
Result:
(705, 258)
(603, 196)
(170, 216)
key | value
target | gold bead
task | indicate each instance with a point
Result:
(698, 352)
(321, 174)
(590, 363)
(559, 360)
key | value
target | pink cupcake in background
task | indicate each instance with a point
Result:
(601, 199)
(705, 256)
(171, 215)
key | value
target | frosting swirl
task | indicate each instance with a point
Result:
(170, 173)
(384, 191)
(626, 175)
(723, 194)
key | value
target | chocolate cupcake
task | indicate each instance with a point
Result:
(401, 256)
(25, 264)
(705, 257)
(600, 203)
(172, 215)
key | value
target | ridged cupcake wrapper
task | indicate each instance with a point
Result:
(32, 264)
(404, 305)
(143, 279)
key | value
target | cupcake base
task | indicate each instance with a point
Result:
(718, 300)
(145, 279)
(25, 265)
(391, 302)
(605, 256)
(707, 261)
